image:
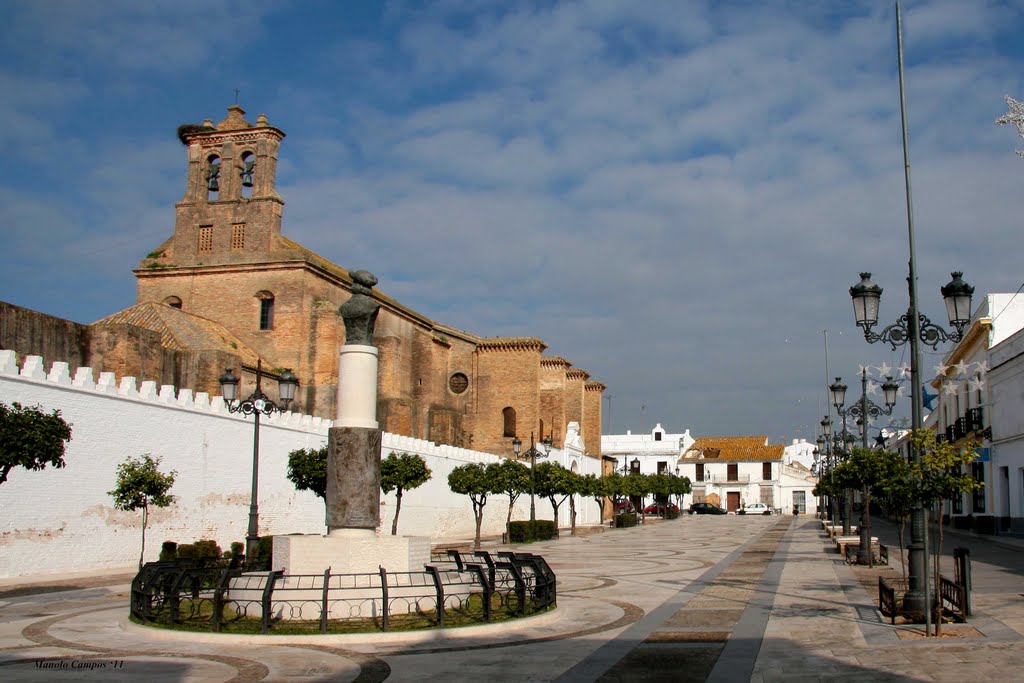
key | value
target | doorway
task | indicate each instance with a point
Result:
(800, 502)
(732, 501)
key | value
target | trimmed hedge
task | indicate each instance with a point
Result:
(527, 532)
(626, 519)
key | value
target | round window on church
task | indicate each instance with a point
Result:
(458, 383)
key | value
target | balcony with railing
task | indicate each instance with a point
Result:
(726, 479)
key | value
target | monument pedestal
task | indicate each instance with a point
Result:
(350, 551)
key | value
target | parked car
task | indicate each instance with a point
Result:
(660, 508)
(706, 509)
(754, 509)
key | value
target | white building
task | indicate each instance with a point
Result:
(802, 452)
(733, 471)
(976, 402)
(1006, 469)
(655, 452)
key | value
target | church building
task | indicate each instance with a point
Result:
(228, 288)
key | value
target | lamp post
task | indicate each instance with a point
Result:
(256, 404)
(864, 411)
(532, 454)
(915, 328)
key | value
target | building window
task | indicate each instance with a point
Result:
(173, 302)
(237, 236)
(458, 383)
(657, 436)
(732, 472)
(508, 416)
(766, 471)
(266, 310)
(700, 472)
(978, 472)
(205, 239)
(662, 467)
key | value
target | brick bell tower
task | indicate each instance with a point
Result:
(230, 211)
(226, 260)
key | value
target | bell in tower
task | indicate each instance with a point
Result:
(213, 175)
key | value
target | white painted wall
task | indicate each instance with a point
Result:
(785, 480)
(63, 519)
(1006, 390)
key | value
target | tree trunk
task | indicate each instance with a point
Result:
(478, 512)
(903, 560)
(145, 510)
(398, 508)
(938, 574)
(572, 515)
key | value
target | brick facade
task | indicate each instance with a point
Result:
(228, 264)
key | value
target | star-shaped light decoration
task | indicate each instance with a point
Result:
(872, 387)
(861, 369)
(904, 371)
(949, 388)
(962, 367)
(976, 384)
(941, 370)
(1014, 117)
(884, 370)
(899, 392)
(982, 368)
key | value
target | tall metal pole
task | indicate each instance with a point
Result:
(533, 478)
(918, 595)
(864, 556)
(252, 537)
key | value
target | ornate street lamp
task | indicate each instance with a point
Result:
(863, 411)
(915, 328)
(532, 454)
(256, 404)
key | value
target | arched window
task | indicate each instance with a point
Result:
(173, 302)
(213, 177)
(508, 416)
(266, 309)
(248, 173)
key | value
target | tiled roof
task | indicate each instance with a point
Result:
(733, 449)
(181, 331)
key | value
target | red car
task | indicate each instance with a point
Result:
(660, 508)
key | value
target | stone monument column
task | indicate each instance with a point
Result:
(353, 455)
(353, 544)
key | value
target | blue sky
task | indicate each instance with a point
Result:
(675, 196)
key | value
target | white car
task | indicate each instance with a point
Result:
(754, 509)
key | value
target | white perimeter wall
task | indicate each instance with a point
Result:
(59, 520)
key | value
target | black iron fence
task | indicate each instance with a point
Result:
(457, 588)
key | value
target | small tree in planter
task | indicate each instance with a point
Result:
(513, 479)
(31, 438)
(941, 476)
(401, 472)
(595, 487)
(307, 469)
(474, 480)
(868, 470)
(140, 484)
(899, 491)
(555, 483)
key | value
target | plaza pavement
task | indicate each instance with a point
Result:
(717, 598)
